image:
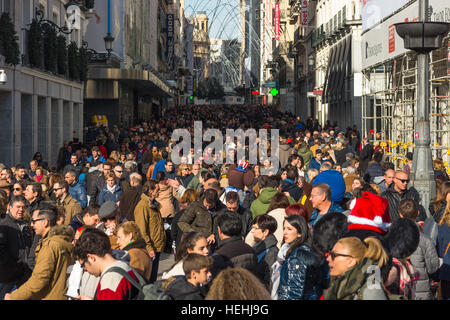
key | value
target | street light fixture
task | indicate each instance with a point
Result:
(109, 40)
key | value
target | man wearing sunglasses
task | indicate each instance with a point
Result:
(15, 243)
(53, 257)
(398, 191)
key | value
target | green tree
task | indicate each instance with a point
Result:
(62, 55)
(35, 45)
(74, 61)
(50, 49)
(9, 42)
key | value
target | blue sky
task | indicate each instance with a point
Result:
(223, 16)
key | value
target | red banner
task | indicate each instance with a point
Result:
(277, 21)
(304, 17)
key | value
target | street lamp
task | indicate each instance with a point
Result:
(423, 37)
(3, 77)
(109, 40)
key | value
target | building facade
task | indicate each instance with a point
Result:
(41, 105)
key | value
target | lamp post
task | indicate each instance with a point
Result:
(109, 40)
(423, 37)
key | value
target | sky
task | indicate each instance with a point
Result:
(223, 16)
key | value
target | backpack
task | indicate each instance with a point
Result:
(151, 291)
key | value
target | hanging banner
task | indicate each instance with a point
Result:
(277, 21)
(170, 39)
(304, 16)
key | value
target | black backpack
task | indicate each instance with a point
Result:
(152, 291)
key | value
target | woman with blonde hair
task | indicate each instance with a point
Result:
(189, 196)
(115, 155)
(355, 270)
(129, 238)
(237, 284)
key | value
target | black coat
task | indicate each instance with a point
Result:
(365, 156)
(294, 190)
(128, 202)
(340, 155)
(395, 197)
(175, 232)
(264, 267)
(15, 244)
(246, 217)
(235, 253)
(181, 289)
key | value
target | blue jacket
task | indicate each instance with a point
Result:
(106, 195)
(301, 276)
(315, 216)
(159, 166)
(314, 164)
(78, 192)
(442, 241)
(336, 182)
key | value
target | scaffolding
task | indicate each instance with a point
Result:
(390, 99)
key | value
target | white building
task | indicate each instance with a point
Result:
(39, 109)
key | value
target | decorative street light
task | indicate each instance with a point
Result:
(109, 39)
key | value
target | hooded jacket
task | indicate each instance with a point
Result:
(149, 220)
(301, 276)
(53, 257)
(292, 188)
(307, 156)
(262, 203)
(181, 289)
(335, 180)
(106, 195)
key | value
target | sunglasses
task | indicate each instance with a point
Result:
(403, 180)
(17, 189)
(333, 255)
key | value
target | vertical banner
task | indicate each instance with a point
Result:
(277, 21)
(448, 59)
(391, 38)
(170, 40)
(304, 16)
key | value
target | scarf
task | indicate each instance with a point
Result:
(39, 178)
(276, 269)
(111, 189)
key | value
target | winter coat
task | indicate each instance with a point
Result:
(246, 218)
(316, 216)
(235, 253)
(262, 203)
(266, 259)
(106, 195)
(340, 155)
(349, 182)
(128, 201)
(279, 215)
(395, 197)
(49, 278)
(442, 241)
(285, 153)
(78, 192)
(71, 207)
(15, 244)
(91, 179)
(307, 156)
(181, 289)
(365, 156)
(373, 170)
(292, 188)
(426, 262)
(314, 164)
(301, 275)
(175, 231)
(354, 285)
(165, 199)
(336, 182)
(149, 220)
(197, 219)
(139, 258)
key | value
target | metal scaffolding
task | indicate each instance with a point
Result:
(390, 100)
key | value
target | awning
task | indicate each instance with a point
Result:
(328, 75)
(143, 82)
(347, 67)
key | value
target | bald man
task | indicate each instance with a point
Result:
(398, 191)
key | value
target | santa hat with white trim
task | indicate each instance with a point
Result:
(371, 212)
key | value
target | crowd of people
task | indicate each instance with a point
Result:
(336, 221)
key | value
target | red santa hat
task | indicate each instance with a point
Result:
(371, 212)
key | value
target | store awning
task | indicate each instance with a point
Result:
(142, 81)
(328, 75)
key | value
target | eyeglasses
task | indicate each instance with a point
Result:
(333, 255)
(17, 189)
(57, 189)
(119, 171)
(83, 264)
(403, 180)
(36, 220)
